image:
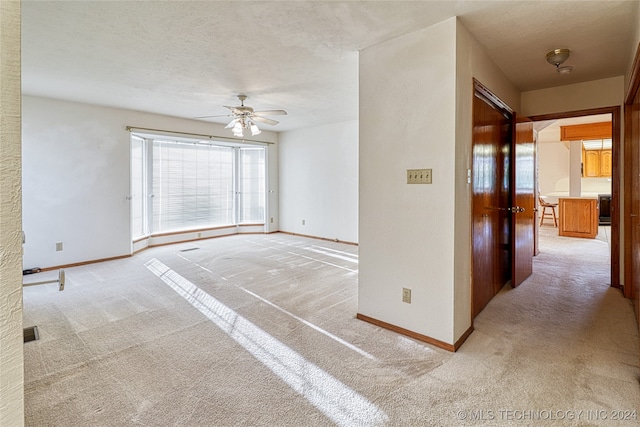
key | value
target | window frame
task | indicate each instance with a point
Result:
(236, 176)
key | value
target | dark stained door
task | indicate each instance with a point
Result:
(523, 202)
(492, 135)
(632, 196)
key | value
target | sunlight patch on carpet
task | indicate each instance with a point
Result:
(341, 404)
(311, 325)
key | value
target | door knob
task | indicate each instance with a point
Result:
(512, 209)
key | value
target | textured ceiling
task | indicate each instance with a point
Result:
(187, 59)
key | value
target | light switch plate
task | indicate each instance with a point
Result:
(418, 176)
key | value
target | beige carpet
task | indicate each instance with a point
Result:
(259, 330)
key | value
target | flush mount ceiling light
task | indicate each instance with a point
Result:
(557, 57)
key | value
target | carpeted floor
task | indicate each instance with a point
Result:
(259, 330)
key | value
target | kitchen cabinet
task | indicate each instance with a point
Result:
(596, 160)
(591, 163)
(596, 163)
(605, 163)
(578, 217)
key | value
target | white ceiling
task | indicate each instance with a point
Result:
(187, 58)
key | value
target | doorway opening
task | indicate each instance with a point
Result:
(572, 166)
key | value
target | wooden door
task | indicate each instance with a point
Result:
(536, 191)
(523, 200)
(632, 192)
(492, 134)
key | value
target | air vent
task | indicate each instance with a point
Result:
(31, 334)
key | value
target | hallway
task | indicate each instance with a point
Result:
(260, 330)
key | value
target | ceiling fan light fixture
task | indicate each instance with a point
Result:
(255, 130)
(564, 70)
(237, 129)
(244, 117)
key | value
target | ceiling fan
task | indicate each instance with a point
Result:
(244, 118)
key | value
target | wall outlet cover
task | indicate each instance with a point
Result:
(406, 295)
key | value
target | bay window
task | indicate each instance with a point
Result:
(179, 185)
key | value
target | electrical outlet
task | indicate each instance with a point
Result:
(303, 222)
(418, 176)
(58, 246)
(199, 235)
(406, 295)
(272, 220)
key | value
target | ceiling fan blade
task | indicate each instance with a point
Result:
(271, 113)
(210, 117)
(264, 120)
(234, 110)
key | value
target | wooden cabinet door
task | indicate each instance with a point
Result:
(578, 218)
(591, 163)
(605, 163)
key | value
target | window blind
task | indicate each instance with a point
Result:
(251, 188)
(138, 185)
(193, 186)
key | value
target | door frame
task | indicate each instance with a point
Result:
(630, 170)
(616, 117)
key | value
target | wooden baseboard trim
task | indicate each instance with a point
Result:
(78, 264)
(317, 238)
(137, 251)
(463, 338)
(417, 336)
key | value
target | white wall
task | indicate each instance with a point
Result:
(580, 96)
(553, 167)
(11, 342)
(594, 186)
(319, 181)
(407, 121)
(76, 177)
(416, 96)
